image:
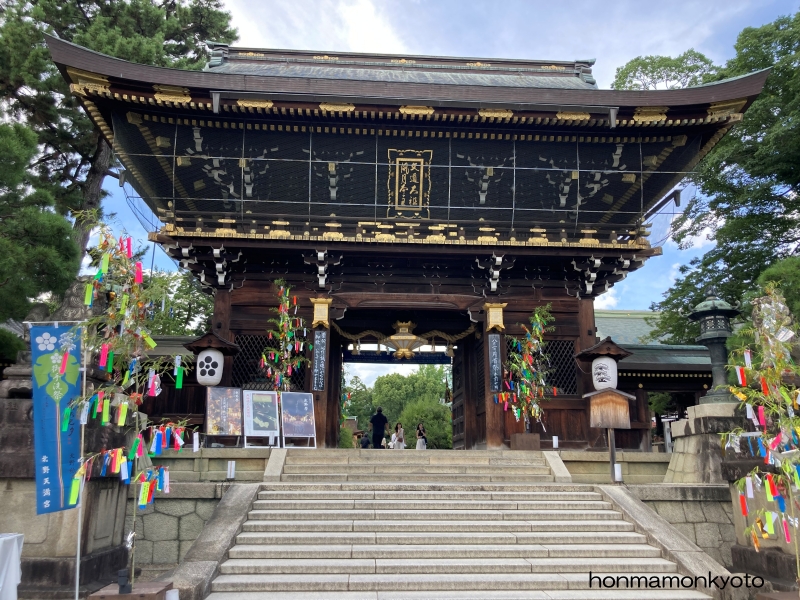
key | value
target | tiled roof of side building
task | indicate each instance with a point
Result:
(624, 326)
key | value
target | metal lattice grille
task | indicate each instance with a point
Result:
(562, 373)
(248, 374)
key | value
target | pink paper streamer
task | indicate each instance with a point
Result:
(64, 360)
(761, 419)
(103, 355)
(786, 532)
(129, 248)
(138, 278)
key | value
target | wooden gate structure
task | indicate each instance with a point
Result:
(455, 193)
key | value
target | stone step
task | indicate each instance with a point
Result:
(420, 505)
(402, 469)
(444, 551)
(580, 594)
(413, 582)
(433, 526)
(447, 565)
(422, 477)
(566, 536)
(438, 515)
(399, 495)
(383, 487)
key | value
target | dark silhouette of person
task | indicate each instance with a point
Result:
(379, 426)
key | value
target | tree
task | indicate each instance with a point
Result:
(73, 160)
(37, 251)
(184, 308)
(394, 391)
(10, 345)
(358, 401)
(437, 419)
(785, 274)
(748, 184)
(663, 72)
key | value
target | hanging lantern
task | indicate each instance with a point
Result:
(211, 351)
(604, 373)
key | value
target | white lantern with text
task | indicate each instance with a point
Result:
(604, 373)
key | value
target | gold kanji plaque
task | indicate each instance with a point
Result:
(409, 184)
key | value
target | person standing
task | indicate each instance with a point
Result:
(400, 440)
(364, 442)
(422, 440)
(379, 426)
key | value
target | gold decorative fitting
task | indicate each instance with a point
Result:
(255, 103)
(436, 238)
(404, 342)
(629, 178)
(328, 107)
(417, 110)
(573, 116)
(332, 235)
(403, 61)
(552, 68)
(321, 310)
(479, 64)
(326, 57)
(494, 316)
(171, 93)
(645, 114)
(727, 107)
(86, 81)
(279, 234)
(495, 113)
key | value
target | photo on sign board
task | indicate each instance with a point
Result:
(297, 410)
(261, 413)
(224, 411)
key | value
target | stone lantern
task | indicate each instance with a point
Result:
(715, 317)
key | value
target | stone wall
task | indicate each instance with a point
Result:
(167, 528)
(211, 464)
(703, 513)
(637, 467)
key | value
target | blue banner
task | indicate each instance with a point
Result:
(56, 428)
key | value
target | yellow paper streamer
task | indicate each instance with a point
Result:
(106, 403)
(123, 414)
(73, 493)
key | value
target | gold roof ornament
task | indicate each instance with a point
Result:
(85, 81)
(648, 114)
(255, 103)
(417, 110)
(573, 116)
(330, 107)
(496, 113)
(171, 93)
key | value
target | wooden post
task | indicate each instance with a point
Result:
(587, 338)
(495, 417)
(643, 416)
(612, 452)
(221, 325)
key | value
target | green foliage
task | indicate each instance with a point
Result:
(436, 418)
(358, 402)
(186, 308)
(785, 274)
(73, 159)
(10, 344)
(659, 402)
(394, 391)
(748, 200)
(663, 72)
(37, 251)
(345, 437)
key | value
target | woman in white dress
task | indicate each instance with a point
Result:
(399, 435)
(422, 440)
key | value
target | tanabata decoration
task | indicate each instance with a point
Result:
(285, 353)
(767, 390)
(526, 369)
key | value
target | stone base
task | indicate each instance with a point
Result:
(526, 441)
(141, 591)
(770, 563)
(697, 455)
(57, 575)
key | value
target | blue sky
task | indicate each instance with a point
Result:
(611, 31)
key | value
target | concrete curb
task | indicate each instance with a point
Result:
(560, 472)
(274, 468)
(201, 564)
(674, 546)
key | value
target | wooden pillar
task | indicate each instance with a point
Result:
(643, 416)
(495, 416)
(471, 435)
(221, 325)
(334, 378)
(321, 401)
(587, 337)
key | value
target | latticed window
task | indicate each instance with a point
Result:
(248, 374)
(560, 354)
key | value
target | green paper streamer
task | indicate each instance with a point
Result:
(110, 361)
(73, 493)
(134, 448)
(106, 403)
(65, 419)
(127, 376)
(104, 263)
(124, 303)
(87, 298)
(179, 379)
(95, 402)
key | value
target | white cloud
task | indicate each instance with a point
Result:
(607, 300)
(369, 372)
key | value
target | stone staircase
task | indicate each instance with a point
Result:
(439, 466)
(356, 527)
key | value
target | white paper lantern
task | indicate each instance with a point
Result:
(209, 367)
(604, 373)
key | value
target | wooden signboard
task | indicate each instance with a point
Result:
(224, 411)
(495, 363)
(261, 415)
(318, 369)
(297, 417)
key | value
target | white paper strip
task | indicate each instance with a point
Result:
(749, 485)
(85, 413)
(195, 442)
